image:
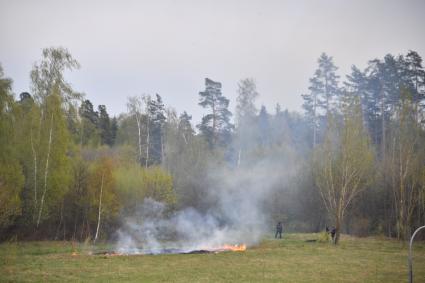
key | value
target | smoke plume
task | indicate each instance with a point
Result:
(238, 213)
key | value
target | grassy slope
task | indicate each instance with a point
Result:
(288, 260)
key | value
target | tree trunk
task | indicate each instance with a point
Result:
(337, 230)
(35, 172)
(140, 137)
(314, 121)
(75, 228)
(383, 141)
(100, 208)
(147, 143)
(162, 148)
(46, 172)
(214, 124)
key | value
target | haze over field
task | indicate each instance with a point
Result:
(164, 125)
(129, 48)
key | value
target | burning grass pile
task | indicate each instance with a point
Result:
(141, 251)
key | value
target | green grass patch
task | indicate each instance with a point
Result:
(292, 259)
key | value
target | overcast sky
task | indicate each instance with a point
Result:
(130, 48)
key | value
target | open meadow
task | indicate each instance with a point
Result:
(292, 259)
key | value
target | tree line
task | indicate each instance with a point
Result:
(353, 159)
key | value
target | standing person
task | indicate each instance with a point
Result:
(333, 232)
(279, 229)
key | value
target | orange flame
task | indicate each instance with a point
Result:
(234, 248)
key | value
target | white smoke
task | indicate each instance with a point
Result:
(238, 216)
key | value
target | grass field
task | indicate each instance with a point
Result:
(291, 259)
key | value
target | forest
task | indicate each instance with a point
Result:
(353, 158)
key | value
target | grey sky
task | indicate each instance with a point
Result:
(168, 47)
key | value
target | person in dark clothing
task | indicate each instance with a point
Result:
(279, 229)
(333, 232)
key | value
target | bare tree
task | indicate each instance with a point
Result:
(343, 164)
(100, 207)
(134, 106)
(404, 166)
(147, 100)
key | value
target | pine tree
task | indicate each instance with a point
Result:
(245, 108)
(384, 85)
(264, 127)
(73, 122)
(114, 130)
(358, 84)
(414, 77)
(326, 83)
(185, 126)
(104, 125)
(323, 90)
(89, 124)
(215, 126)
(156, 113)
(246, 112)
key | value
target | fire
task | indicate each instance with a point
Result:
(234, 248)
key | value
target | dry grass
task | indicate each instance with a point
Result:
(291, 259)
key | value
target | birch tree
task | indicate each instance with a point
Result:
(50, 72)
(135, 108)
(102, 194)
(404, 165)
(343, 164)
(54, 141)
(27, 131)
(147, 99)
(52, 94)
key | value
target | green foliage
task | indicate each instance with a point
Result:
(11, 177)
(28, 133)
(53, 159)
(50, 72)
(102, 184)
(104, 126)
(324, 237)
(11, 183)
(54, 162)
(89, 134)
(135, 183)
(187, 158)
